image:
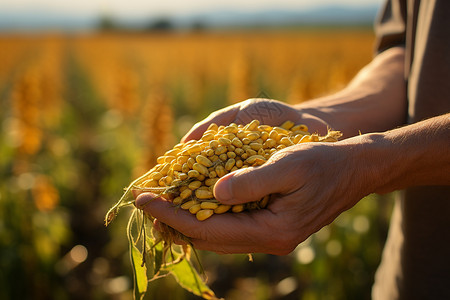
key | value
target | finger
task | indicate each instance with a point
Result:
(144, 198)
(249, 184)
(221, 117)
(244, 230)
(248, 232)
(164, 211)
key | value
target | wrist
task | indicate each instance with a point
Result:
(377, 163)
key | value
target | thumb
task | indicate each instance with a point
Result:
(245, 185)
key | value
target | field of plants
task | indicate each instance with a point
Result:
(83, 114)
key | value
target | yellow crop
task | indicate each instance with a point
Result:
(186, 174)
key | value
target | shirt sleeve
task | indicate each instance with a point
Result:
(390, 25)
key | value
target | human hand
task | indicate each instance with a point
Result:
(310, 185)
(267, 111)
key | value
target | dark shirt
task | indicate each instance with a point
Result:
(416, 259)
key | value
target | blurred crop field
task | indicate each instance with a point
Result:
(83, 114)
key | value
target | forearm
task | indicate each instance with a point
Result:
(413, 155)
(375, 100)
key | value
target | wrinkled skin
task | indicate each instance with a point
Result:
(267, 111)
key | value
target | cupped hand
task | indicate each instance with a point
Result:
(267, 111)
(310, 185)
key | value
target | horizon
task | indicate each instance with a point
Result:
(50, 14)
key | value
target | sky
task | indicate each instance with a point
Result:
(145, 8)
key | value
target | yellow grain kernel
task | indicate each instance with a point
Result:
(237, 208)
(150, 183)
(286, 141)
(281, 130)
(195, 184)
(229, 136)
(213, 144)
(177, 201)
(204, 214)
(172, 152)
(264, 136)
(203, 160)
(220, 170)
(300, 127)
(194, 149)
(252, 136)
(182, 159)
(230, 164)
(241, 134)
(160, 159)
(157, 176)
(169, 159)
(264, 201)
(304, 139)
(185, 194)
(208, 205)
(274, 135)
(194, 208)
(239, 151)
(253, 125)
(211, 181)
(207, 137)
(231, 154)
(254, 159)
(176, 167)
(239, 163)
(224, 141)
(223, 157)
(246, 141)
(203, 194)
(168, 180)
(213, 126)
(193, 173)
(222, 208)
(255, 146)
(297, 138)
(287, 125)
(236, 142)
(250, 152)
(165, 169)
(231, 129)
(190, 162)
(220, 150)
(266, 128)
(185, 168)
(183, 176)
(201, 169)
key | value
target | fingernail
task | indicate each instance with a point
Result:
(143, 199)
(222, 190)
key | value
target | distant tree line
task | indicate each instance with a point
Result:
(162, 24)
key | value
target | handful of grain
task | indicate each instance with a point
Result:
(186, 175)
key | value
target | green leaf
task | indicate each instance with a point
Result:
(188, 278)
(139, 271)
